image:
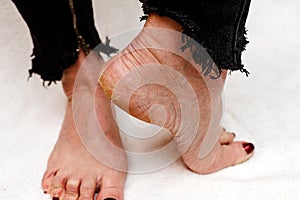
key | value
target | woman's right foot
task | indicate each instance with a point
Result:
(72, 172)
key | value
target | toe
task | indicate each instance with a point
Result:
(46, 181)
(226, 137)
(57, 186)
(234, 153)
(112, 188)
(72, 189)
(87, 189)
(247, 151)
(220, 157)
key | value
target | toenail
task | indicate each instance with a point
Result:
(45, 192)
(55, 198)
(233, 134)
(248, 147)
(109, 199)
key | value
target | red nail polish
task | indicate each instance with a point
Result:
(45, 192)
(55, 198)
(249, 147)
(234, 135)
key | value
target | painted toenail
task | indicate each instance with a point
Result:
(249, 147)
(55, 198)
(110, 199)
(234, 135)
(45, 192)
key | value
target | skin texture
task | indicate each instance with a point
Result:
(225, 152)
(72, 172)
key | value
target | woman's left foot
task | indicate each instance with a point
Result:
(137, 63)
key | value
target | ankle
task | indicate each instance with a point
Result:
(83, 74)
(69, 75)
(162, 22)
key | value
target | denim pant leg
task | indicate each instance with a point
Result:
(217, 25)
(56, 35)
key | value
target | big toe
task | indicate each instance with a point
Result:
(234, 153)
(220, 157)
(112, 187)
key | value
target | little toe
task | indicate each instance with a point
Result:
(46, 181)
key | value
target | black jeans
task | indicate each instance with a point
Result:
(60, 27)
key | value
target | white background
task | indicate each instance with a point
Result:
(263, 108)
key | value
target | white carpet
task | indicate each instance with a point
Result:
(263, 108)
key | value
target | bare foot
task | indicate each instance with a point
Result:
(141, 61)
(72, 172)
